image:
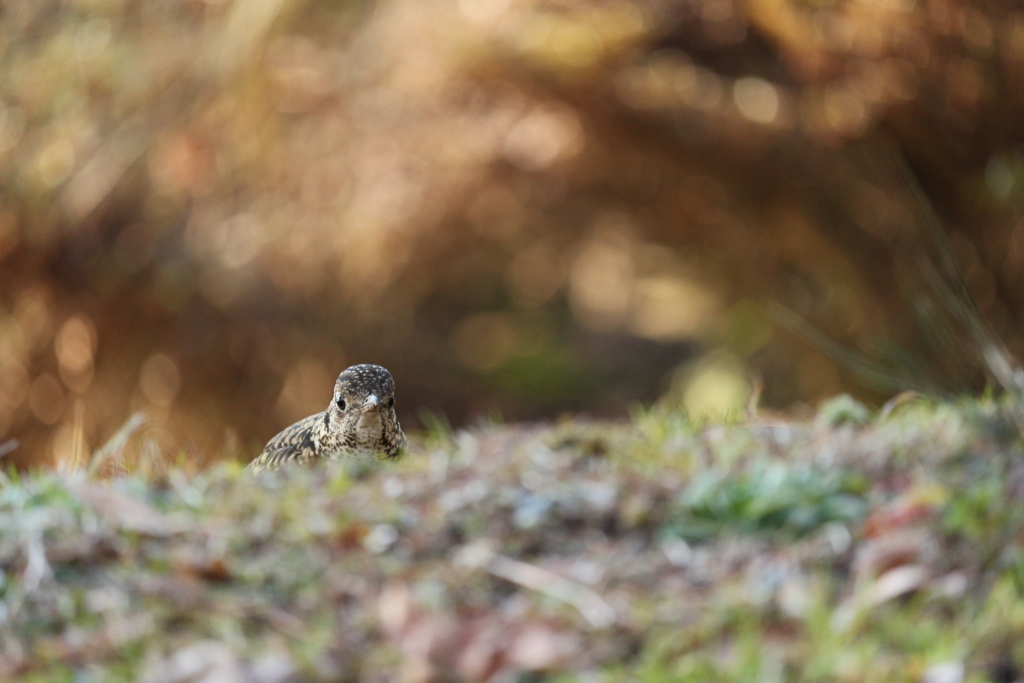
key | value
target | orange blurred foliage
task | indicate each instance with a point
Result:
(212, 207)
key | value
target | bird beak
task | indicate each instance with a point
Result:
(371, 402)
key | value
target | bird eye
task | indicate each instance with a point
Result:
(391, 402)
(340, 401)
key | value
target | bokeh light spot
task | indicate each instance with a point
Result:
(600, 282)
(484, 11)
(756, 99)
(547, 134)
(484, 341)
(306, 390)
(55, 162)
(159, 380)
(999, 177)
(578, 45)
(75, 346)
(671, 308)
(716, 387)
(46, 399)
(535, 276)
(92, 38)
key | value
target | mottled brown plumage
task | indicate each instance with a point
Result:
(359, 424)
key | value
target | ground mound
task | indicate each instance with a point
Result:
(846, 547)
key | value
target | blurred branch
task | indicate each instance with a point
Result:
(875, 374)
(951, 289)
(8, 446)
(246, 27)
(100, 175)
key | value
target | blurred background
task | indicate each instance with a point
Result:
(520, 207)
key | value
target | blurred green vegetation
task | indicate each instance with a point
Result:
(793, 501)
(209, 208)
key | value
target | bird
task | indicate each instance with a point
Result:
(359, 424)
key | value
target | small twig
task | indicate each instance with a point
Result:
(115, 446)
(590, 604)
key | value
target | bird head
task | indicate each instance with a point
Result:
(363, 388)
(363, 409)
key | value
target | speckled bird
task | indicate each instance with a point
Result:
(359, 424)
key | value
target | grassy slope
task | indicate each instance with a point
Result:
(846, 548)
